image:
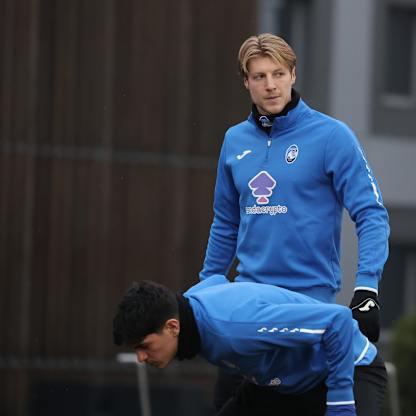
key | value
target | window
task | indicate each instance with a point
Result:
(400, 60)
(394, 71)
(400, 77)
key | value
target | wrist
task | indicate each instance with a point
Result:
(366, 288)
(367, 282)
(341, 395)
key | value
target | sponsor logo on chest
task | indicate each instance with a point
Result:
(262, 186)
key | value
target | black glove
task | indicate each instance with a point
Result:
(366, 310)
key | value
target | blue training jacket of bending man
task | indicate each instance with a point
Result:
(276, 337)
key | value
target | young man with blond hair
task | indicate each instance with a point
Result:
(284, 176)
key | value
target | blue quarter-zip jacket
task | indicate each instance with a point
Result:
(275, 337)
(278, 205)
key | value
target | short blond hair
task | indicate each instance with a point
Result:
(265, 44)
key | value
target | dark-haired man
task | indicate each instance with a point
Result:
(298, 356)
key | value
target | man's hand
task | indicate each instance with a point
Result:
(341, 410)
(366, 310)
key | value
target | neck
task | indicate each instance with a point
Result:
(266, 124)
(189, 341)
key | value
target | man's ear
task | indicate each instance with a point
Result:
(293, 75)
(246, 81)
(173, 326)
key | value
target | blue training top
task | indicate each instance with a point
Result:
(278, 205)
(275, 337)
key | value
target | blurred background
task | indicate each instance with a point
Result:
(112, 114)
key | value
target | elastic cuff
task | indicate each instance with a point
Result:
(340, 396)
(366, 282)
(369, 289)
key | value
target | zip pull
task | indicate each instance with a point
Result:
(269, 142)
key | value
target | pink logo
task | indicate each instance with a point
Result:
(261, 187)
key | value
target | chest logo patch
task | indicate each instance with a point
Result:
(261, 187)
(291, 153)
(244, 154)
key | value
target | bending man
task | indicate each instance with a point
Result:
(297, 355)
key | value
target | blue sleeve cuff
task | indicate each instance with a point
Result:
(340, 396)
(367, 282)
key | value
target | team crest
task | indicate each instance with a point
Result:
(291, 153)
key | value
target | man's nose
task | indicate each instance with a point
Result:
(141, 356)
(270, 84)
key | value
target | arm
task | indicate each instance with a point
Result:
(357, 189)
(222, 241)
(294, 325)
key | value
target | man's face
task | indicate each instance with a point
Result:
(270, 84)
(159, 349)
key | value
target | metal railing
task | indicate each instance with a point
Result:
(142, 382)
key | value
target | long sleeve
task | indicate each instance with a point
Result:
(294, 325)
(357, 189)
(222, 241)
